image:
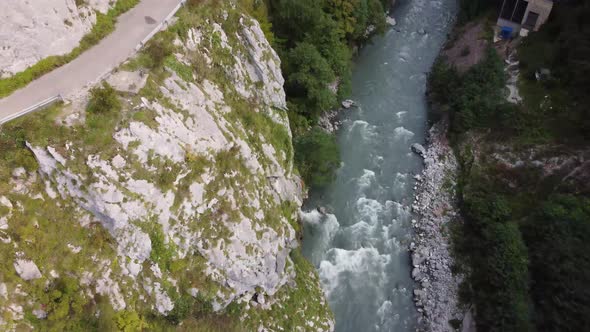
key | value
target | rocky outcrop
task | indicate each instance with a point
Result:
(330, 120)
(436, 294)
(33, 30)
(191, 193)
(26, 269)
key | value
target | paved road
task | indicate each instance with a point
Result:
(132, 27)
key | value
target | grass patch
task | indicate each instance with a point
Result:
(184, 71)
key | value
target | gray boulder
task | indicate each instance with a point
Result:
(347, 103)
(419, 149)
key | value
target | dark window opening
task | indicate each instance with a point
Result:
(520, 11)
(508, 9)
(531, 21)
(514, 10)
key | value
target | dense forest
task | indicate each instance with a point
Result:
(315, 39)
(526, 234)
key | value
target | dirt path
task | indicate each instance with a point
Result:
(469, 48)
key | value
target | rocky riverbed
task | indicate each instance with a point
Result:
(436, 292)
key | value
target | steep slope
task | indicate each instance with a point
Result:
(181, 207)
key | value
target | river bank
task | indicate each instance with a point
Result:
(436, 292)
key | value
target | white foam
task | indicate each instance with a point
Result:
(401, 133)
(385, 313)
(365, 181)
(399, 211)
(400, 182)
(360, 268)
(363, 129)
(359, 235)
(325, 227)
(368, 210)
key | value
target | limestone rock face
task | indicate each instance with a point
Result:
(249, 254)
(190, 193)
(33, 30)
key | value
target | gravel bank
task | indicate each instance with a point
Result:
(436, 292)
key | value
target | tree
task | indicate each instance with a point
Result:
(128, 321)
(558, 237)
(317, 157)
(308, 79)
(501, 280)
(293, 19)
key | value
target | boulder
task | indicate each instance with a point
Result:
(27, 269)
(40, 313)
(417, 259)
(419, 149)
(416, 274)
(390, 20)
(347, 103)
(429, 162)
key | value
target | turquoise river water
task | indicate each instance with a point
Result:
(360, 246)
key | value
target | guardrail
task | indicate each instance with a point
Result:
(33, 108)
(54, 99)
(161, 25)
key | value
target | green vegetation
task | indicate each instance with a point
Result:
(525, 237)
(317, 155)
(497, 256)
(563, 47)
(296, 307)
(557, 237)
(105, 24)
(475, 99)
(129, 321)
(470, 10)
(159, 48)
(314, 39)
(308, 84)
(103, 99)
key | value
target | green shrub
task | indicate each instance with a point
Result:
(128, 321)
(471, 9)
(492, 246)
(443, 82)
(558, 239)
(162, 253)
(183, 307)
(159, 48)
(309, 75)
(474, 99)
(502, 281)
(317, 157)
(103, 99)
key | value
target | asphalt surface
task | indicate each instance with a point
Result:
(132, 27)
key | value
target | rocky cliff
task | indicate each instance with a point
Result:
(179, 209)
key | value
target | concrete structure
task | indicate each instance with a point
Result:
(524, 16)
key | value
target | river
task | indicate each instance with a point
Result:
(360, 245)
